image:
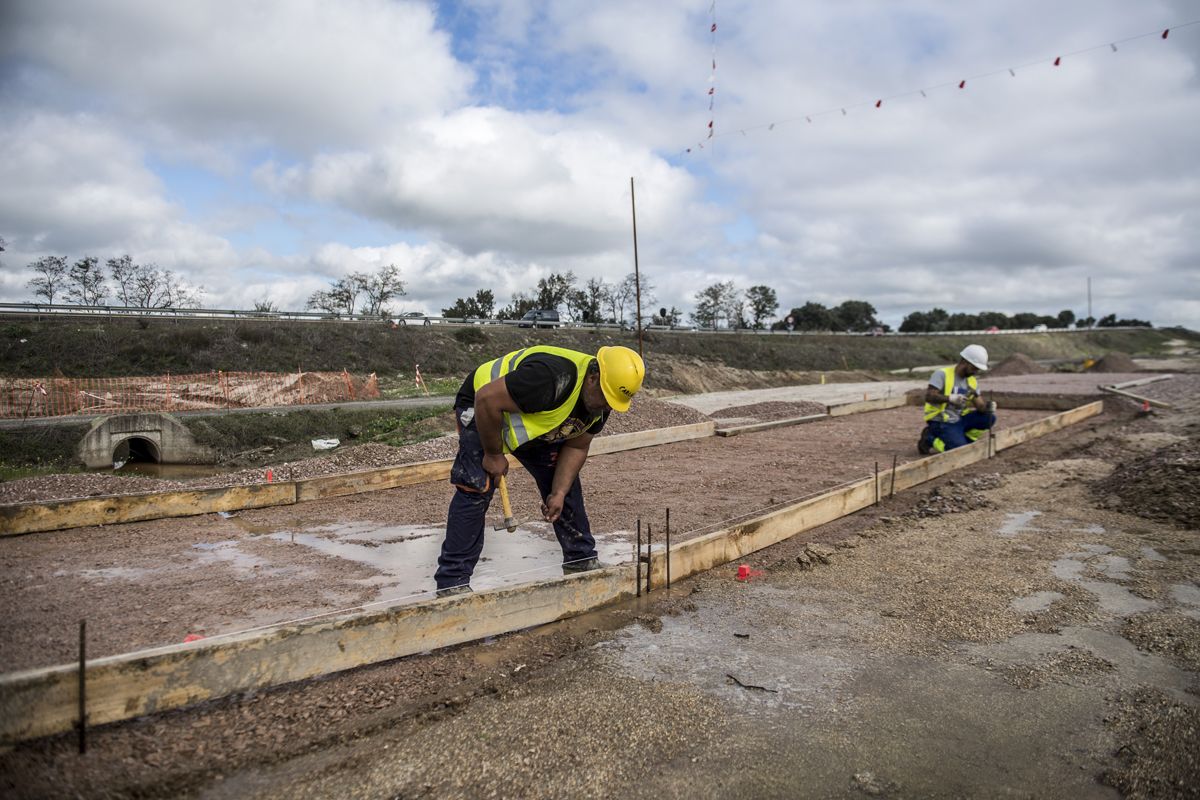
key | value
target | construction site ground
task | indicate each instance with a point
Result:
(1021, 628)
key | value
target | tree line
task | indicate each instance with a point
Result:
(937, 319)
(88, 283)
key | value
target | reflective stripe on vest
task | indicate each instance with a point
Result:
(938, 412)
(517, 428)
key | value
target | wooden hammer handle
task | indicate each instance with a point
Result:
(509, 522)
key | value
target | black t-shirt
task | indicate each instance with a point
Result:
(541, 381)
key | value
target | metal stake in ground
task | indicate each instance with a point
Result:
(82, 686)
(876, 483)
(668, 549)
(649, 555)
(637, 559)
(892, 490)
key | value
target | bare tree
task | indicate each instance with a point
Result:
(148, 286)
(85, 282)
(51, 279)
(265, 306)
(380, 288)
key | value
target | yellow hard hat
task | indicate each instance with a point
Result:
(621, 374)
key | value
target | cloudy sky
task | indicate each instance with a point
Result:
(263, 148)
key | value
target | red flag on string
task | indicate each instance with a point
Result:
(1168, 30)
(878, 103)
(962, 84)
(712, 89)
(1058, 61)
(714, 28)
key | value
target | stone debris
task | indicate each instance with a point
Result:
(820, 552)
(1163, 485)
(1016, 364)
(956, 496)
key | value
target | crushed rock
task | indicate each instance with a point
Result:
(1160, 740)
(1057, 667)
(1162, 485)
(1116, 361)
(772, 410)
(956, 496)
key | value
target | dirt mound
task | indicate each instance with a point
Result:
(1163, 485)
(1017, 364)
(772, 410)
(1115, 362)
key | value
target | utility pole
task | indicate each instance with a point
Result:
(637, 277)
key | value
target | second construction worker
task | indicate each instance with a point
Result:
(955, 412)
(542, 404)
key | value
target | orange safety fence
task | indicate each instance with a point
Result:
(54, 397)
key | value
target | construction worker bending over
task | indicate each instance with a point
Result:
(955, 412)
(542, 404)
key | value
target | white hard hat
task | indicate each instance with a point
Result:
(976, 356)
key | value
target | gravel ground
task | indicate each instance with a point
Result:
(772, 410)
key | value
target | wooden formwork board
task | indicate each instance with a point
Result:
(766, 426)
(41, 702)
(878, 404)
(24, 518)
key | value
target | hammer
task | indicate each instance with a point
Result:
(509, 523)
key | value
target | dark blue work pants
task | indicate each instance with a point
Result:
(954, 434)
(467, 518)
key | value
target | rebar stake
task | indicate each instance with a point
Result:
(876, 483)
(649, 555)
(82, 686)
(638, 561)
(892, 490)
(668, 549)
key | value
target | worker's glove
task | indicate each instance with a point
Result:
(957, 399)
(991, 407)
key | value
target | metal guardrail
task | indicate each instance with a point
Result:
(405, 320)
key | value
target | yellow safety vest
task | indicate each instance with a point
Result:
(517, 428)
(938, 412)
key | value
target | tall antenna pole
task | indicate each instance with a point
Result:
(637, 277)
(1090, 322)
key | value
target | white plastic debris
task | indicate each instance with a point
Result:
(325, 444)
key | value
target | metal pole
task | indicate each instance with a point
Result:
(82, 686)
(637, 276)
(638, 561)
(649, 555)
(876, 483)
(892, 491)
(1091, 324)
(668, 549)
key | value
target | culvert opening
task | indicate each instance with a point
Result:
(135, 450)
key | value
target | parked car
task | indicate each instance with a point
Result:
(539, 318)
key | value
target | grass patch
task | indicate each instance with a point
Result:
(40, 450)
(405, 385)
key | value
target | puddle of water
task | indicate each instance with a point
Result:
(1038, 601)
(1112, 598)
(245, 565)
(406, 555)
(1188, 596)
(1017, 522)
(1113, 566)
(1133, 665)
(1150, 554)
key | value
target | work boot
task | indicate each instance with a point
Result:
(586, 565)
(450, 591)
(924, 444)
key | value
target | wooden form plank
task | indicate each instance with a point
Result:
(45, 701)
(766, 426)
(23, 518)
(1142, 381)
(42, 702)
(620, 442)
(878, 404)
(1137, 397)
(39, 517)
(1011, 437)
